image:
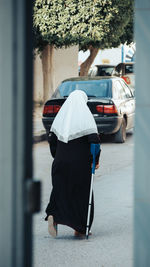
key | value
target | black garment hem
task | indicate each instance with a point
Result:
(71, 226)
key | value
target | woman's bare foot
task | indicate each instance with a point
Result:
(77, 234)
(52, 226)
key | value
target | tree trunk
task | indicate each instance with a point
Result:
(48, 75)
(85, 66)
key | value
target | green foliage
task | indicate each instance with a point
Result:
(100, 23)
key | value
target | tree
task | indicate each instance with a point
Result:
(94, 25)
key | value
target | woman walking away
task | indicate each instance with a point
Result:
(72, 132)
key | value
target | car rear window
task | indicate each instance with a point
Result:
(98, 88)
(104, 71)
(128, 69)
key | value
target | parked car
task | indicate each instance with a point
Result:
(101, 70)
(109, 98)
(126, 71)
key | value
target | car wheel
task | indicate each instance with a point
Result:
(120, 136)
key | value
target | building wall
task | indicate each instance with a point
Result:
(38, 80)
(65, 64)
(53, 66)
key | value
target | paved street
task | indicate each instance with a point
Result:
(111, 242)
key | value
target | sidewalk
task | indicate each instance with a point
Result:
(111, 243)
(39, 133)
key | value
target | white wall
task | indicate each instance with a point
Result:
(38, 80)
(62, 64)
(65, 64)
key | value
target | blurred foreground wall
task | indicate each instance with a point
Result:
(142, 136)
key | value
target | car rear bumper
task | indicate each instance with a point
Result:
(47, 122)
(106, 125)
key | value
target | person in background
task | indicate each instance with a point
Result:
(71, 134)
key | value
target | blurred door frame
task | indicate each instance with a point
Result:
(16, 100)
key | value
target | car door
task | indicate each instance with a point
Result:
(123, 102)
(130, 104)
(119, 97)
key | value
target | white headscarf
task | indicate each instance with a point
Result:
(74, 119)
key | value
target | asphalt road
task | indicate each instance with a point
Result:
(111, 242)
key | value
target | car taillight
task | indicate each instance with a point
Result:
(126, 79)
(56, 108)
(107, 109)
(100, 108)
(110, 109)
(50, 109)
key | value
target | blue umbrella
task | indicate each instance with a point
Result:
(95, 149)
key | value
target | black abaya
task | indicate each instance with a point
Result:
(71, 177)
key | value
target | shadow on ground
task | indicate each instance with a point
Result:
(109, 138)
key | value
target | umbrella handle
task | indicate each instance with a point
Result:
(93, 151)
(95, 148)
(93, 165)
(89, 207)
